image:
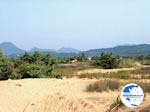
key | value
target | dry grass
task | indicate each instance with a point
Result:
(145, 109)
(116, 75)
(104, 85)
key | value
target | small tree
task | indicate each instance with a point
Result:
(82, 57)
(6, 67)
(108, 61)
(26, 58)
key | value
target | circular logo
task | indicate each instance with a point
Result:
(132, 95)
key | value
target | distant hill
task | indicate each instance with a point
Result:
(61, 50)
(126, 50)
(10, 49)
(41, 50)
(67, 50)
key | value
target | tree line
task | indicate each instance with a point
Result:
(38, 65)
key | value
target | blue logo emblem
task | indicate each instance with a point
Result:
(132, 95)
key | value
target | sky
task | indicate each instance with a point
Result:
(80, 24)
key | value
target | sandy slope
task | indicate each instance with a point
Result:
(53, 95)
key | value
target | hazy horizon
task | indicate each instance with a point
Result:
(80, 24)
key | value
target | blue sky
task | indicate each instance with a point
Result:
(81, 24)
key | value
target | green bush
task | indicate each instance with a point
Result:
(107, 61)
(31, 71)
(6, 67)
(34, 65)
(15, 75)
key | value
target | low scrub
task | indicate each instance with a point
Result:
(118, 75)
(143, 73)
(143, 70)
(107, 60)
(104, 85)
(126, 63)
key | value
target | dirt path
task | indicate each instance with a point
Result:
(52, 95)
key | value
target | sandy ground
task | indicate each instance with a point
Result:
(55, 95)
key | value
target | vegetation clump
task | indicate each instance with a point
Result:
(6, 67)
(107, 61)
(104, 85)
(36, 65)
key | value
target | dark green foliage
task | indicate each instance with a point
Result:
(82, 58)
(26, 58)
(30, 71)
(15, 75)
(62, 60)
(107, 61)
(6, 67)
(34, 65)
(59, 76)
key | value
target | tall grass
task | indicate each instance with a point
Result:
(127, 63)
(143, 70)
(104, 85)
(70, 70)
(143, 73)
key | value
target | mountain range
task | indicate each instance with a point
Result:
(10, 49)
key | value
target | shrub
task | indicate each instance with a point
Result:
(34, 65)
(82, 58)
(15, 75)
(107, 61)
(6, 68)
(30, 70)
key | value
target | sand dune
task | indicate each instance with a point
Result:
(53, 95)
